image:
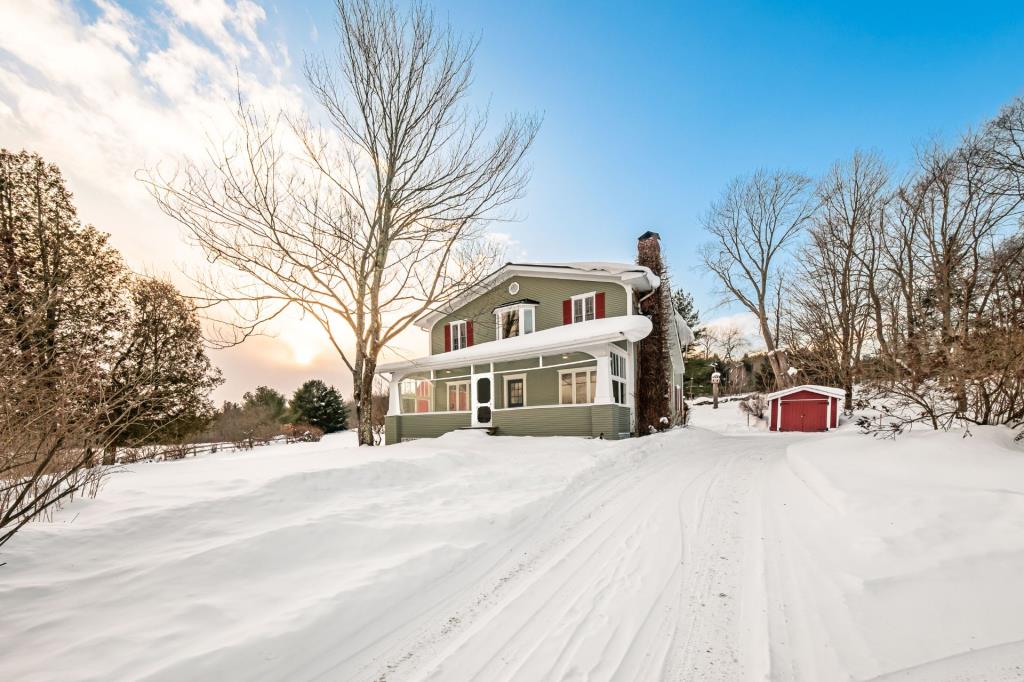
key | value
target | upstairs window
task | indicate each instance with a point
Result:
(515, 319)
(584, 308)
(460, 337)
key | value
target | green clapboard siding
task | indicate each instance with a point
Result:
(541, 384)
(610, 420)
(423, 425)
(548, 292)
(588, 421)
(544, 421)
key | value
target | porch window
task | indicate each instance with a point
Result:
(618, 377)
(458, 396)
(460, 338)
(515, 391)
(584, 307)
(577, 386)
(417, 395)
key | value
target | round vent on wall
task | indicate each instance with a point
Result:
(513, 288)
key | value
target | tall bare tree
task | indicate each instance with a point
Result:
(829, 304)
(752, 227)
(371, 220)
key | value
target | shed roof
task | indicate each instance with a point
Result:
(814, 388)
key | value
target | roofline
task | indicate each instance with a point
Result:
(610, 329)
(814, 388)
(638, 279)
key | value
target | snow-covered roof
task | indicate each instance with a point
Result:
(826, 390)
(547, 342)
(683, 331)
(637, 276)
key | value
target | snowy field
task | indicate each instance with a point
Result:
(718, 552)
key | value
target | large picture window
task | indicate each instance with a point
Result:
(584, 308)
(458, 396)
(577, 386)
(417, 395)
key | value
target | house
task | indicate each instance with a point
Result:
(538, 349)
(804, 408)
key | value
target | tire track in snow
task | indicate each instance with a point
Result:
(620, 580)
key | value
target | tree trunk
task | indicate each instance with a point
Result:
(362, 395)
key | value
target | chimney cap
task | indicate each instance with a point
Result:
(648, 234)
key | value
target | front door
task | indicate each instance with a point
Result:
(483, 399)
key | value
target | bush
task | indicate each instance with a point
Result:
(302, 433)
(754, 405)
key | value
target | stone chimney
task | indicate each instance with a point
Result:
(654, 370)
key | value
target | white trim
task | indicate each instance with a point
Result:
(556, 340)
(534, 369)
(520, 309)
(824, 390)
(588, 370)
(504, 390)
(583, 298)
(475, 403)
(448, 395)
(613, 378)
(778, 415)
(828, 415)
(454, 335)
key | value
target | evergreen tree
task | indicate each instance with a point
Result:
(266, 397)
(321, 405)
(684, 305)
(163, 362)
(64, 289)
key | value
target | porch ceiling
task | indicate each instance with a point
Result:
(568, 337)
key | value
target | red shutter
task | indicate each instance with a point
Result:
(567, 311)
(599, 305)
(447, 338)
(469, 332)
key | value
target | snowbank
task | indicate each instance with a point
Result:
(246, 566)
(908, 554)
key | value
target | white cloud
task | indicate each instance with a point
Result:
(745, 322)
(103, 96)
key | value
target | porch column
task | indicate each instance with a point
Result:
(394, 397)
(603, 391)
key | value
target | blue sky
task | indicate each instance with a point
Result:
(649, 110)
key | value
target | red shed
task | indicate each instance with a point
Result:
(804, 408)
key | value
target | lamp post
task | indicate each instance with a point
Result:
(716, 378)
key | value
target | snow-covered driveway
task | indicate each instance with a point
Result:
(701, 554)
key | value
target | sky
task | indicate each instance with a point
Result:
(649, 109)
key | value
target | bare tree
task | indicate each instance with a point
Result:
(724, 339)
(370, 221)
(55, 425)
(752, 226)
(829, 296)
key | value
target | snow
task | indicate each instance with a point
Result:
(560, 339)
(826, 390)
(719, 552)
